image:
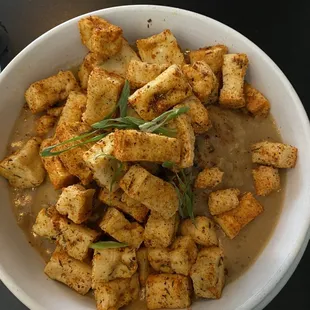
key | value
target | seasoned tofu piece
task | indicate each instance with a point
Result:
(168, 291)
(58, 174)
(24, 169)
(76, 239)
(159, 259)
(103, 91)
(45, 124)
(46, 224)
(266, 180)
(256, 103)
(161, 94)
(45, 93)
(144, 266)
(140, 73)
(234, 70)
(110, 264)
(55, 111)
(142, 186)
(100, 36)
(202, 79)
(117, 293)
(69, 271)
(198, 114)
(124, 203)
(208, 273)
(233, 221)
(133, 145)
(223, 200)
(117, 226)
(75, 202)
(202, 231)
(160, 232)
(211, 55)
(160, 49)
(209, 178)
(274, 154)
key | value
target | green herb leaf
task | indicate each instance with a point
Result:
(117, 174)
(100, 245)
(123, 100)
(168, 164)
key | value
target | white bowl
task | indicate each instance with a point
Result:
(21, 267)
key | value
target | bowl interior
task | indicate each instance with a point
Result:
(21, 268)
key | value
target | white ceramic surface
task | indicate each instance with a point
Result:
(21, 268)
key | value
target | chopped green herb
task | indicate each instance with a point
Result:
(168, 164)
(107, 245)
(123, 100)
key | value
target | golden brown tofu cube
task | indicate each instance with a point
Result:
(168, 291)
(44, 93)
(274, 154)
(234, 70)
(44, 124)
(117, 293)
(76, 203)
(198, 114)
(140, 73)
(99, 36)
(24, 169)
(160, 49)
(202, 231)
(160, 94)
(73, 273)
(209, 177)
(256, 103)
(160, 232)
(233, 221)
(117, 226)
(56, 111)
(266, 180)
(223, 200)
(208, 273)
(144, 266)
(103, 91)
(211, 55)
(58, 174)
(133, 145)
(142, 186)
(159, 259)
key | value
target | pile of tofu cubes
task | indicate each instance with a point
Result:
(169, 257)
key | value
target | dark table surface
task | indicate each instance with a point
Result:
(281, 30)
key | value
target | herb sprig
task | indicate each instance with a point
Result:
(100, 245)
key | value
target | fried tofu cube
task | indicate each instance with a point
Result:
(43, 94)
(160, 232)
(209, 178)
(274, 154)
(99, 36)
(201, 78)
(133, 145)
(266, 180)
(103, 91)
(24, 169)
(211, 55)
(110, 264)
(69, 271)
(234, 70)
(45, 124)
(143, 264)
(202, 231)
(198, 114)
(140, 73)
(223, 200)
(256, 103)
(160, 94)
(75, 202)
(159, 259)
(76, 239)
(208, 273)
(117, 226)
(124, 203)
(58, 174)
(142, 186)
(46, 224)
(55, 111)
(117, 293)
(168, 291)
(161, 48)
(233, 221)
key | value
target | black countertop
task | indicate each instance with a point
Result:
(281, 30)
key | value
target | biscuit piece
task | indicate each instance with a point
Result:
(266, 180)
(256, 103)
(209, 177)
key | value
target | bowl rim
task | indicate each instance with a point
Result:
(31, 303)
